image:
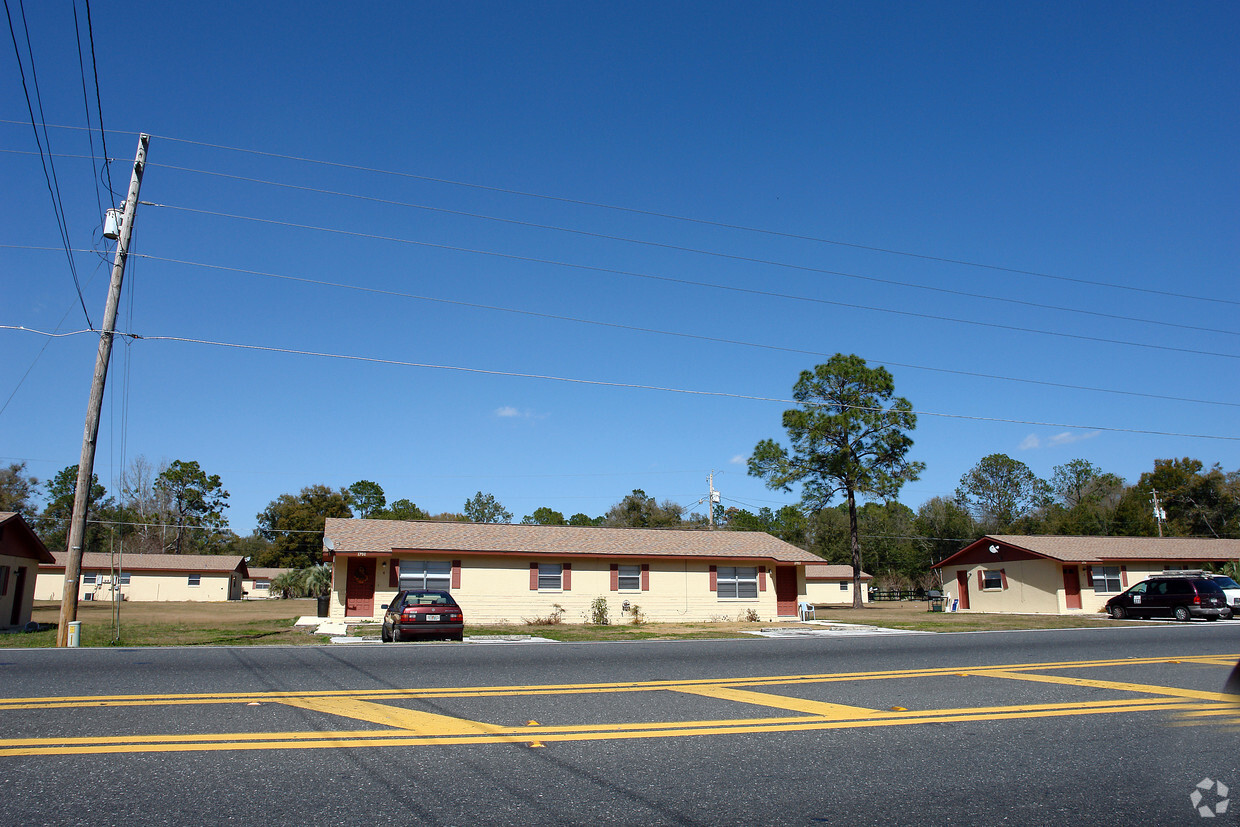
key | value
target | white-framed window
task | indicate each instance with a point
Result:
(89, 579)
(844, 584)
(551, 577)
(1107, 579)
(740, 582)
(195, 580)
(630, 578)
(992, 579)
(123, 579)
(426, 574)
(262, 586)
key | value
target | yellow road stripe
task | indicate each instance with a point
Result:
(388, 738)
(556, 689)
(423, 723)
(1142, 688)
(820, 708)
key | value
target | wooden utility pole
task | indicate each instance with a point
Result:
(86, 466)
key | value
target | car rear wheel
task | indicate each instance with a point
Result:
(1117, 612)
(1181, 614)
(383, 635)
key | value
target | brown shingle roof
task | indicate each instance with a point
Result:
(204, 563)
(267, 573)
(1101, 549)
(383, 536)
(826, 571)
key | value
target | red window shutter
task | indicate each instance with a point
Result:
(533, 577)
(714, 579)
(615, 577)
(567, 585)
(1123, 576)
(1003, 577)
(981, 579)
(456, 574)
(761, 578)
(645, 577)
(393, 573)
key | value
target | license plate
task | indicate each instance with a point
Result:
(432, 618)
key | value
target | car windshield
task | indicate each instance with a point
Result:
(428, 599)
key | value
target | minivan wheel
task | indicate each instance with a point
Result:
(1117, 612)
(1181, 614)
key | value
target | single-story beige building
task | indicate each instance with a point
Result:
(832, 584)
(510, 573)
(147, 577)
(21, 554)
(1066, 575)
(257, 584)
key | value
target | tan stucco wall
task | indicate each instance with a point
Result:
(828, 592)
(149, 587)
(496, 589)
(1036, 586)
(12, 597)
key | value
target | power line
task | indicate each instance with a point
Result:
(747, 290)
(679, 334)
(49, 166)
(626, 385)
(708, 223)
(712, 253)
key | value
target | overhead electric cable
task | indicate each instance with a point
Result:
(713, 253)
(90, 132)
(49, 166)
(679, 334)
(103, 133)
(707, 222)
(628, 385)
(592, 268)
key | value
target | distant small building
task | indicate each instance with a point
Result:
(257, 585)
(833, 584)
(147, 577)
(21, 554)
(1047, 574)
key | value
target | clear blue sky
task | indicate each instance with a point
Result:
(1092, 143)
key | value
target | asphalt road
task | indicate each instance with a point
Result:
(1109, 726)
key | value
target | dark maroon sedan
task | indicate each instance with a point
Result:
(422, 613)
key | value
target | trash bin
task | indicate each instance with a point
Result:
(325, 605)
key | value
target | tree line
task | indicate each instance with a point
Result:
(849, 437)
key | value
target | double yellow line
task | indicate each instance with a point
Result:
(401, 726)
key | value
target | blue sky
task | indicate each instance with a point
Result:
(482, 150)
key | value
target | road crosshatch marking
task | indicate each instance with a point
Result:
(404, 726)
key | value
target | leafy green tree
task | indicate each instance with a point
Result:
(402, 509)
(584, 520)
(252, 547)
(999, 491)
(943, 527)
(848, 437)
(484, 508)
(638, 510)
(293, 524)
(52, 524)
(1086, 499)
(544, 516)
(788, 523)
(1198, 502)
(16, 490)
(368, 497)
(196, 505)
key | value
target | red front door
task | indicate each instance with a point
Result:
(1071, 587)
(785, 591)
(962, 582)
(359, 590)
